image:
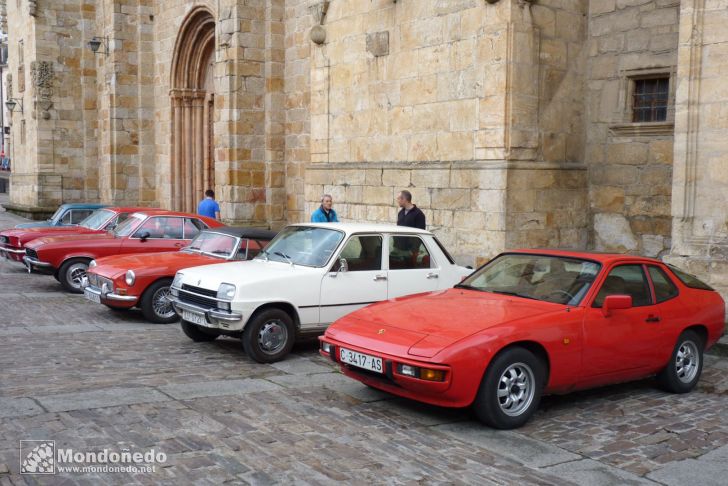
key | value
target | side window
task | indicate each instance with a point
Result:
(78, 215)
(626, 280)
(192, 228)
(407, 253)
(362, 253)
(254, 247)
(161, 227)
(114, 222)
(66, 219)
(664, 288)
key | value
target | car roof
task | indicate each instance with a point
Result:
(588, 255)
(366, 228)
(84, 205)
(244, 232)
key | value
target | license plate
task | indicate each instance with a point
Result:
(194, 318)
(371, 363)
(92, 297)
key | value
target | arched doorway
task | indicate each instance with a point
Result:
(192, 100)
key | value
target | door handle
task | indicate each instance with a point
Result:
(433, 275)
(380, 277)
(652, 318)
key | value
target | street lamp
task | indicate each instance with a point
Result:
(96, 42)
(12, 103)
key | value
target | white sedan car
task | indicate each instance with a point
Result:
(306, 278)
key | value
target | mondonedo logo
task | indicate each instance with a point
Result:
(42, 457)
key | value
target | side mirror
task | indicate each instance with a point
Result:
(343, 265)
(144, 235)
(616, 302)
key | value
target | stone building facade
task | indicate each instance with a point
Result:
(513, 123)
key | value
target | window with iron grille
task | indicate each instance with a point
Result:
(650, 99)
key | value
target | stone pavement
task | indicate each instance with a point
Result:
(90, 379)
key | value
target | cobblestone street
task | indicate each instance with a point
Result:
(90, 379)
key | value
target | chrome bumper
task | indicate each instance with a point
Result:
(5, 249)
(31, 263)
(107, 296)
(213, 316)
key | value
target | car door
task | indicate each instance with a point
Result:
(673, 317)
(165, 233)
(411, 266)
(360, 282)
(623, 342)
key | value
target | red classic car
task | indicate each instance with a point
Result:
(533, 322)
(143, 280)
(67, 257)
(12, 241)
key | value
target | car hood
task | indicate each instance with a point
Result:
(241, 273)
(164, 263)
(48, 240)
(27, 234)
(425, 324)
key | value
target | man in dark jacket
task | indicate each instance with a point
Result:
(410, 215)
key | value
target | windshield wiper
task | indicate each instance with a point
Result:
(468, 287)
(514, 294)
(281, 254)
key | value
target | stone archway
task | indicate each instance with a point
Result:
(192, 101)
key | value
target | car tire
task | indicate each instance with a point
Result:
(55, 275)
(197, 333)
(511, 389)
(683, 370)
(269, 336)
(71, 273)
(153, 309)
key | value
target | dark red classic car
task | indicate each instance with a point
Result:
(143, 280)
(149, 231)
(13, 241)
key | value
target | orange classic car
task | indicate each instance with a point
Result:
(143, 280)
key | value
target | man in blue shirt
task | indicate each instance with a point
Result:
(208, 206)
(325, 213)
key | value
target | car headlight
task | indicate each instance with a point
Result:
(92, 264)
(130, 277)
(226, 291)
(177, 282)
(326, 347)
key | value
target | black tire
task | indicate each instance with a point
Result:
(198, 334)
(55, 275)
(683, 370)
(526, 374)
(269, 336)
(71, 272)
(152, 307)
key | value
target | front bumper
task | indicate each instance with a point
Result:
(433, 392)
(33, 264)
(107, 297)
(214, 318)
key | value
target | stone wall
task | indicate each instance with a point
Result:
(630, 164)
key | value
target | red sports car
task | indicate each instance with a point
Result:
(149, 231)
(13, 241)
(533, 322)
(143, 280)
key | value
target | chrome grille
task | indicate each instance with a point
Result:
(98, 281)
(4, 239)
(198, 296)
(31, 253)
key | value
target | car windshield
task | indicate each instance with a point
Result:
(560, 280)
(97, 219)
(303, 245)
(128, 226)
(215, 244)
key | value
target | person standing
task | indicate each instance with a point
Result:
(208, 206)
(325, 213)
(409, 214)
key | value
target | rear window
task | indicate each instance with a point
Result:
(690, 280)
